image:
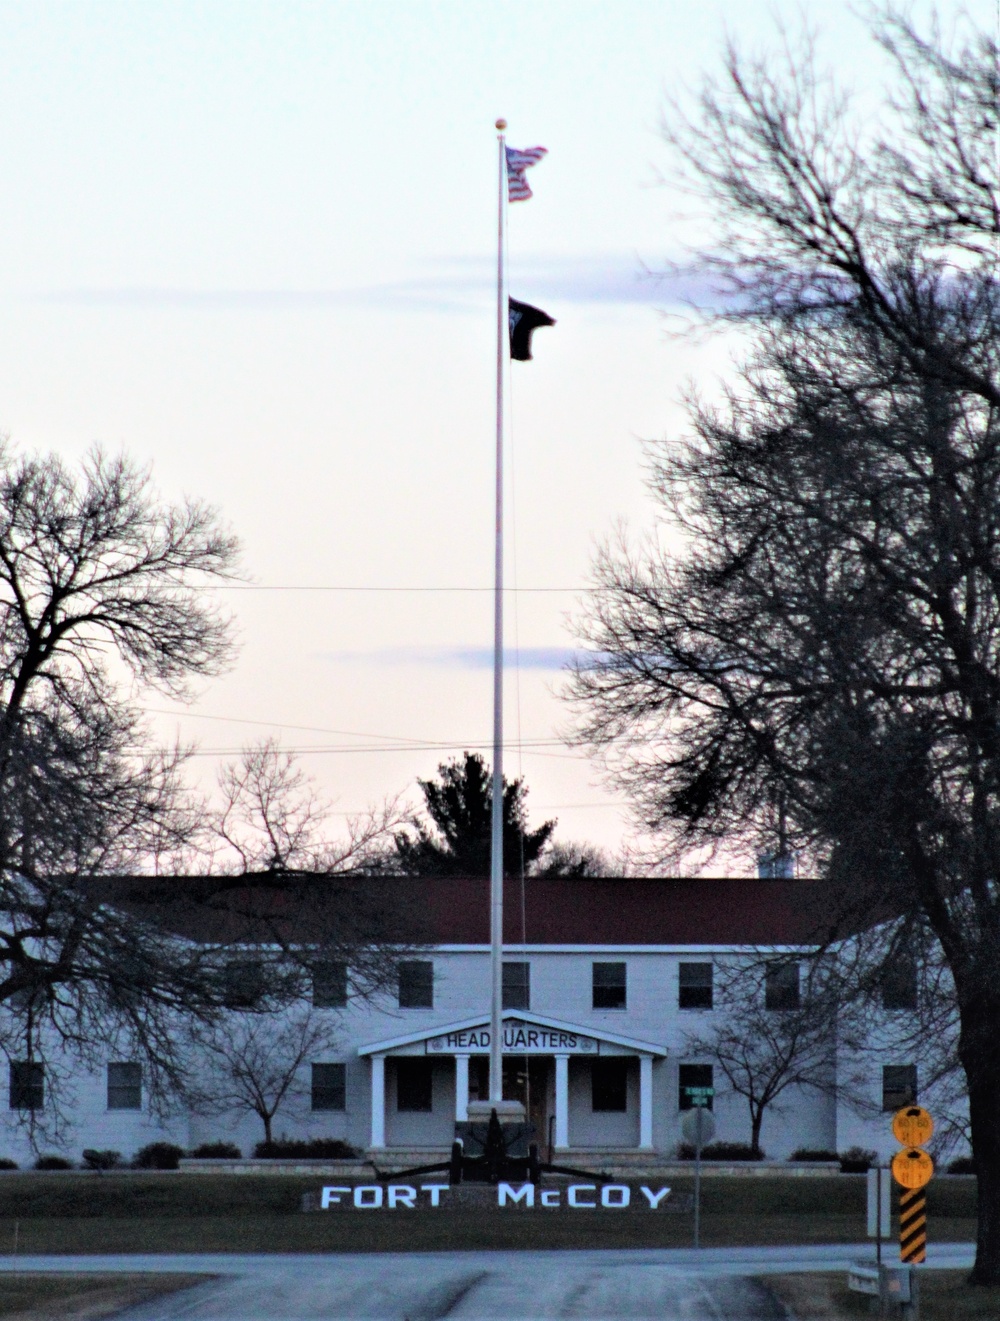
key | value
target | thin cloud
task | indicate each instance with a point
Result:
(453, 285)
(464, 658)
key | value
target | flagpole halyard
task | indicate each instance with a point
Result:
(496, 850)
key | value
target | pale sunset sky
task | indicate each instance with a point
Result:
(252, 244)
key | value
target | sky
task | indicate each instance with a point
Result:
(253, 245)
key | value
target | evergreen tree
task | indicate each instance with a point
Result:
(456, 839)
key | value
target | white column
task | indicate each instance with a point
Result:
(461, 1088)
(378, 1100)
(646, 1102)
(562, 1101)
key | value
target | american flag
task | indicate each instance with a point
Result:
(517, 163)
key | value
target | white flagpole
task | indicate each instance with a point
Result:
(496, 852)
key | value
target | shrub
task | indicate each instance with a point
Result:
(962, 1165)
(857, 1160)
(158, 1156)
(53, 1163)
(813, 1153)
(720, 1151)
(316, 1149)
(7, 1164)
(101, 1160)
(217, 1151)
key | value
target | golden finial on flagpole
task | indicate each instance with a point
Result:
(501, 124)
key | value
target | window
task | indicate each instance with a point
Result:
(692, 1080)
(416, 984)
(414, 1084)
(27, 1086)
(609, 1085)
(609, 985)
(899, 1086)
(517, 986)
(329, 989)
(695, 986)
(329, 1086)
(781, 986)
(899, 985)
(242, 984)
(124, 1086)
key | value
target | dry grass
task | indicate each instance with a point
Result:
(944, 1296)
(82, 1297)
(64, 1213)
(425, 1232)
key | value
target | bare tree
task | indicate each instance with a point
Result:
(308, 897)
(101, 597)
(272, 820)
(255, 1062)
(830, 638)
(765, 1044)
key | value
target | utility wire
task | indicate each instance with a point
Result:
(340, 587)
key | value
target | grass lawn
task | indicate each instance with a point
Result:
(944, 1296)
(64, 1213)
(84, 1297)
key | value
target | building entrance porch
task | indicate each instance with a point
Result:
(554, 1069)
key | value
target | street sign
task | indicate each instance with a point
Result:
(698, 1126)
(912, 1126)
(912, 1168)
(699, 1095)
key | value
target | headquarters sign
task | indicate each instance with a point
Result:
(518, 1039)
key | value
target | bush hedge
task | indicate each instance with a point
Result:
(217, 1151)
(857, 1160)
(157, 1156)
(49, 1162)
(101, 1160)
(720, 1151)
(316, 1149)
(813, 1153)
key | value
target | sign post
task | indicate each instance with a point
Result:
(879, 1208)
(698, 1126)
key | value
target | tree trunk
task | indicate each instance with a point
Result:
(756, 1120)
(981, 1061)
(267, 1127)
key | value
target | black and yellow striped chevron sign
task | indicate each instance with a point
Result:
(912, 1169)
(912, 1224)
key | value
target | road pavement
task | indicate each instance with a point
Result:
(670, 1284)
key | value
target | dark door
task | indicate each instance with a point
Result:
(527, 1080)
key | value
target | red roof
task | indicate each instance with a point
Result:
(455, 910)
(628, 911)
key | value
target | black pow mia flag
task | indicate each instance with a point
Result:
(523, 320)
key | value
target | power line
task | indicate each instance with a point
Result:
(536, 749)
(340, 587)
(339, 749)
(277, 724)
(415, 743)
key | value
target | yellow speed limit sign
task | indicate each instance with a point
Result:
(912, 1168)
(912, 1126)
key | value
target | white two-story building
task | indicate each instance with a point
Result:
(605, 983)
